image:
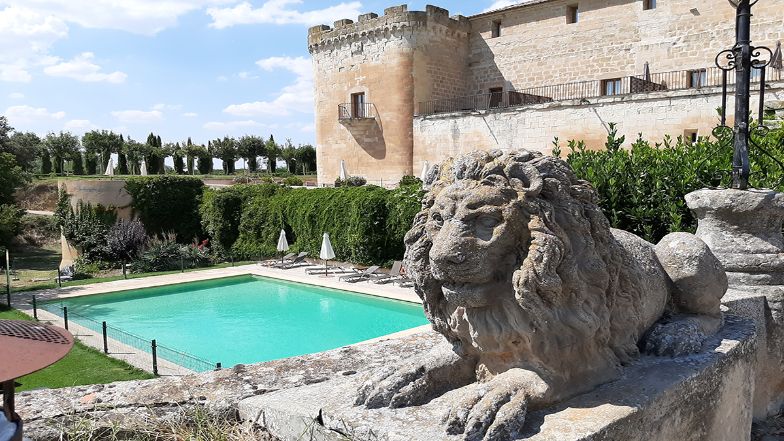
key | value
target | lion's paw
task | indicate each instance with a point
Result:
(495, 410)
(674, 339)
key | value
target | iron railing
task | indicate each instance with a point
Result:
(127, 339)
(350, 111)
(657, 82)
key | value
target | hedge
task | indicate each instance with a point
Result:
(168, 204)
(366, 224)
(642, 189)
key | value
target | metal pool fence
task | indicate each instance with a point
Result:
(118, 341)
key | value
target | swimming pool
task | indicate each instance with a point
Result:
(247, 319)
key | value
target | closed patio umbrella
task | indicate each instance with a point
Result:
(283, 244)
(343, 172)
(776, 62)
(327, 253)
(425, 169)
(110, 168)
(646, 72)
(144, 168)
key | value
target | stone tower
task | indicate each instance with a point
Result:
(369, 75)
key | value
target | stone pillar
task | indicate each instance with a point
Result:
(743, 229)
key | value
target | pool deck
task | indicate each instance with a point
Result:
(141, 359)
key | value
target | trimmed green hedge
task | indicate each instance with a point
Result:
(366, 224)
(168, 204)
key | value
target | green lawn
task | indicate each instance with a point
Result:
(82, 366)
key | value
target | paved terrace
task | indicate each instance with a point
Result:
(142, 359)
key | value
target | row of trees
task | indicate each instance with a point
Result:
(92, 153)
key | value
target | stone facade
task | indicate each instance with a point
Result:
(406, 58)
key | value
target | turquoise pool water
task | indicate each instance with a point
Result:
(247, 319)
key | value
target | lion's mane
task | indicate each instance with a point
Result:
(567, 283)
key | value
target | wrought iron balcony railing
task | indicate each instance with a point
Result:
(657, 82)
(349, 111)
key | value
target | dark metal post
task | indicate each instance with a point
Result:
(154, 358)
(105, 339)
(7, 278)
(65, 316)
(182, 264)
(218, 366)
(742, 50)
(35, 309)
(59, 280)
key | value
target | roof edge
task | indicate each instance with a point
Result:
(522, 4)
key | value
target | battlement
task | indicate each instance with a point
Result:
(394, 18)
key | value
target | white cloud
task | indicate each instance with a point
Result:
(25, 39)
(16, 96)
(138, 116)
(29, 114)
(82, 68)
(79, 125)
(163, 107)
(190, 114)
(499, 4)
(280, 12)
(222, 78)
(296, 97)
(247, 76)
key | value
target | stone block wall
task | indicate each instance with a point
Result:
(612, 39)
(396, 60)
(655, 115)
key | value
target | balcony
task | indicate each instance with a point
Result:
(356, 111)
(657, 82)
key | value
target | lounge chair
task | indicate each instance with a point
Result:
(281, 261)
(332, 270)
(362, 275)
(297, 262)
(391, 276)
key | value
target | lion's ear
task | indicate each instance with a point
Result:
(524, 178)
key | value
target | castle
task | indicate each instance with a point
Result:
(397, 92)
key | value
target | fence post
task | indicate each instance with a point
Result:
(154, 358)
(65, 316)
(218, 366)
(8, 278)
(182, 264)
(35, 309)
(59, 280)
(105, 339)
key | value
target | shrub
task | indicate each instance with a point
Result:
(87, 227)
(125, 241)
(10, 223)
(168, 204)
(366, 224)
(351, 181)
(167, 255)
(642, 189)
(38, 230)
(293, 181)
(410, 180)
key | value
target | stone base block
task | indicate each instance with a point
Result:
(706, 396)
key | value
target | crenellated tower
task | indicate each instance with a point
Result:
(368, 76)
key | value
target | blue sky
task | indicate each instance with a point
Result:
(179, 68)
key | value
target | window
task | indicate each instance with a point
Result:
(648, 4)
(572, 14)
(698, 78)
(611, 87)
(496, 29)
(756, 74)
(496, 97)
(691, 136)
(358, 105)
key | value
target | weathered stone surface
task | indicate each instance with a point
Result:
(743, 229)
(695, 270)
(705, 396)
(538, 297)
(134, 403)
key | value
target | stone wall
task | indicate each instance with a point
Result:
(655, 115)
(612, 39)
(382, 57)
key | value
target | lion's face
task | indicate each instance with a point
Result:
(476, 231)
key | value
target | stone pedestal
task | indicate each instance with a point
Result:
(705, 396)
(743, 229)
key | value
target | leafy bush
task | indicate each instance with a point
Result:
(351, 181)
(10, 223)
(366, 224)
(168, 204)
(642, 189)
(410, 180)
(38, 230)
(167, 255)
(293, 181)
(87, 227)
(125, 240)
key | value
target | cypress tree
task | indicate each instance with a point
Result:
(78, 163)
(46, 162)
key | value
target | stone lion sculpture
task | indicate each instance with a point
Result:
(538, 298)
